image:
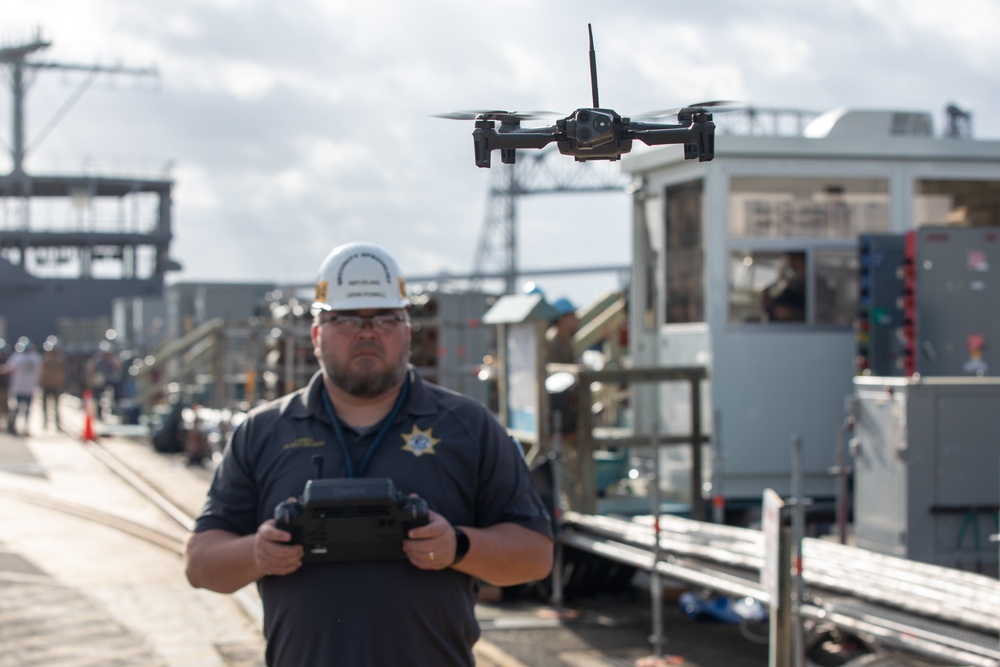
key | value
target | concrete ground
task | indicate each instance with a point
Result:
(76, 593)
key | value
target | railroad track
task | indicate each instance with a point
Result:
(172, 541)
(487, 654)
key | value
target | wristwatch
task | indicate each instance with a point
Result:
(461, 545)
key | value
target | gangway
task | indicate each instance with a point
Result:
(200, 348)
(926, 610)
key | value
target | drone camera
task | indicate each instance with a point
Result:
(590, 128)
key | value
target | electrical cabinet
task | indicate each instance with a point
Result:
(927, 468)
(881, 348)
(952, 303)
(927, 303)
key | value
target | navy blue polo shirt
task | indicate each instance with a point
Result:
(444, 446)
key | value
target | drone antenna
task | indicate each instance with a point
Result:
(593, 67)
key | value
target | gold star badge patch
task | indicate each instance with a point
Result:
(420, 442)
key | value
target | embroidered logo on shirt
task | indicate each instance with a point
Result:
(301, 443)
(420, 442)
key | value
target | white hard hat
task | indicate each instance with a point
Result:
(356, 276)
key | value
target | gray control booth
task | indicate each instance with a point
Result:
(927, 468)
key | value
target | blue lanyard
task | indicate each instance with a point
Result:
(386, 423)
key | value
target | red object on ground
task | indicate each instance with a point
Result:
(88, 417)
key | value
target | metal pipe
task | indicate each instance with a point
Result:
(697, 497)
(798, 533)
(781, 651)
(556, 466)
(656, 586)
(718, 500)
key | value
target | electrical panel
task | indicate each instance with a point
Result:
(881, 344)
(927, 304)
(952, 318)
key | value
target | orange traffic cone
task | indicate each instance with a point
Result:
(88, 418)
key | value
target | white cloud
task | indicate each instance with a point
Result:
(295, 126)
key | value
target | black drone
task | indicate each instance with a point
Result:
(591, 133)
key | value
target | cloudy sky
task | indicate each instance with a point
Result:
(294, 126)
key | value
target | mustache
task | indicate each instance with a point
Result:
(366, 345)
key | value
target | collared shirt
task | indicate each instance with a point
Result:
(445, 447)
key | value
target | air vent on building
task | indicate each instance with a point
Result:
(908, 124)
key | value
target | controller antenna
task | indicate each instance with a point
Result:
(317, 462)
(593, 67)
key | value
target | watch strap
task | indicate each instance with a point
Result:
(461, 545)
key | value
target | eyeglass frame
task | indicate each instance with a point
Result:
(382, 323)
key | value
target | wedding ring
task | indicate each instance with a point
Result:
(431, 555)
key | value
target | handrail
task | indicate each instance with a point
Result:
(586, 436)
(928, 609)
(197, 348)
(178, 346)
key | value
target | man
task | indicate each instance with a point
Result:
(565, 404)
(559, 346)
(367, 413)
(104, 374)
(25, 367)
(784, 300)
(4, 381)
(53, 379)
(559, 336)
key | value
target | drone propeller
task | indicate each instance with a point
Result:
(502, 116)
(717, 106)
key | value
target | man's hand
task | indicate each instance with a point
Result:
(271, 552)
(504, 554)
(431, 546)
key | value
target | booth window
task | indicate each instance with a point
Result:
(818, 208)
(956, 202)
(804, 286)
(793, 247)
(685, 253)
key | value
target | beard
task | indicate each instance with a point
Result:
(366, 377)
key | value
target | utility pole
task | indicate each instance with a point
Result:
(16, 58)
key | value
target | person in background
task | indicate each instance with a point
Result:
(25, 367)
(103, 377)
(368, 413)
(784, 300)
(53, 380)
(559, 336)
(564, 408)
(4, 381)
(559, 345)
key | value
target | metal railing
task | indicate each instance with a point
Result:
(181, 359)
(924, 609)
(589, 438)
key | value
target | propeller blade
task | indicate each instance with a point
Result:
(456, 115)
(717, 106)
(717, 103)
(502, 116)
